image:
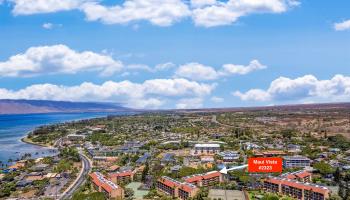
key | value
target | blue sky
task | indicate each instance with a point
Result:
(217, 53)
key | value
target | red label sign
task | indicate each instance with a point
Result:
(265, 165)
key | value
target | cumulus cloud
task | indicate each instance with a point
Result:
(201, 3)
(60, 59)
(225, 13)
(157, 68)
(241, 69)
(28, 7)
(341, 26)
(57, 59)
(253, 95)
(158, 12)
(190, 103)
(207, 13)
(151, 93)
(306, 88)
(197, 71)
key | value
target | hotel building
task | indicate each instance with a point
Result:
(175, 188)
(205, 180)
(110, 189)
(301, 176)
(122, 177)
(296, 189)
(296, 162)
(206, 149)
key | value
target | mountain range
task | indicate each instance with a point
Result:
(8, 106)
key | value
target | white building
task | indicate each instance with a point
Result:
(296, 162)
(203, 149)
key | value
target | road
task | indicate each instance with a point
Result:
(80, 180)
(86, 167)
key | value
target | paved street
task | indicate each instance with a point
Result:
(80, 180)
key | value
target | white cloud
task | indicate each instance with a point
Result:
(306, 88)
(197, 71)
(201, 3)
(28, 7)
(60, 59)
(164, 66)
(345, 25)
(138, 67)
(225, 13)
(207, 13)
(241, 69)
(177, 87)
(157, 68)
(190, 103)
(217, 99)
(158, 12)
(57, 59)
(47, 25)
(151, 93)
(253, 95)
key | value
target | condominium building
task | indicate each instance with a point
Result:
(175, 188)
(296, 189)
(123, 177)
(205, 180)
(110, 189)
(204, 149)
(269, 153)
(229, 156)
(296, 162)
(301, 176)
(187, 190)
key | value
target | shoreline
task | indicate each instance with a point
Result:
(24, 139)
(26, 145)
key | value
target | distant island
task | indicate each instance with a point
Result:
(23, 106)
(8, 106)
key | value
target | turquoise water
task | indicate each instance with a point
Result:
(15, 127)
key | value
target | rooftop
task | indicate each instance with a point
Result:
(101, 181)
(207, 145)
(295, 158)
(296, 184)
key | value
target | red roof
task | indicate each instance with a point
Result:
(291, 176)
(107, 187)
(101, 181)
(193, 179)
(95, 179)
(274, 181)
(302, 186)
(303, 174)
(169, 182)
(212, 174)
(199, 177)
(187, 188)
(121, 174)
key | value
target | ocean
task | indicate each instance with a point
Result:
(14, 127)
